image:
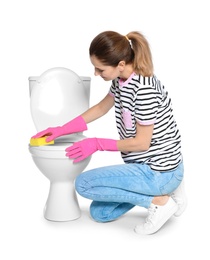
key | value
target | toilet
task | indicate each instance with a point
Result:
(57, 96)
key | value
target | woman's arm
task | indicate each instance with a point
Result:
(141, 142)
(99, 109)
(84, 148)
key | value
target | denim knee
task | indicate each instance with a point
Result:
(97, 212)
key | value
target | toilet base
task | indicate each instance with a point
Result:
(62, 203)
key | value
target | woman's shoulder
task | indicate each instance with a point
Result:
(144, 80)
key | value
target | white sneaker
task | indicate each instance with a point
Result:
(157, 217)
(180, 198)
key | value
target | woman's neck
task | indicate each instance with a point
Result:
(125, 74)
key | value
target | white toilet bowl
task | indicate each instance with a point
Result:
(65, 85)
(62, 203)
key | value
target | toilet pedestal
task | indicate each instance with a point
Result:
(62, 203)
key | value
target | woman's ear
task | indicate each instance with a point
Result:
(121, 65)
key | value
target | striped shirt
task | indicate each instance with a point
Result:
(145, 101)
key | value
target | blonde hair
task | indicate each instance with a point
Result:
(142, 62)
(111, 47)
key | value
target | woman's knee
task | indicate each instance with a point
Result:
(97, 212)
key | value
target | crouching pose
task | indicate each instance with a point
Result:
(149, 139)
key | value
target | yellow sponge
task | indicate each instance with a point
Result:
(40, 141)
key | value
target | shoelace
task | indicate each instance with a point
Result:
(151, 213)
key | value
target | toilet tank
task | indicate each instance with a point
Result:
(57, 96)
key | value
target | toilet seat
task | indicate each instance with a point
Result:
(55, 151)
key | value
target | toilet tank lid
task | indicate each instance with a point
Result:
(33, 78)
(84, 78)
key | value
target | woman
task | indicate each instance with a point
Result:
(149, 139)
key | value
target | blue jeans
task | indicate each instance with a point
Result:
(117, 189)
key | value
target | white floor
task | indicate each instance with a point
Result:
(38, 35)
(25, 234)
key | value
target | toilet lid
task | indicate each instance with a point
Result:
(58, 96)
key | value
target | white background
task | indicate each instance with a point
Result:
(38, 35)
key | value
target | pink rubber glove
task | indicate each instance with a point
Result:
(82, 149)
(76, 125)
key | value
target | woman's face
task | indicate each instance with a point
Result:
(106, 72)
